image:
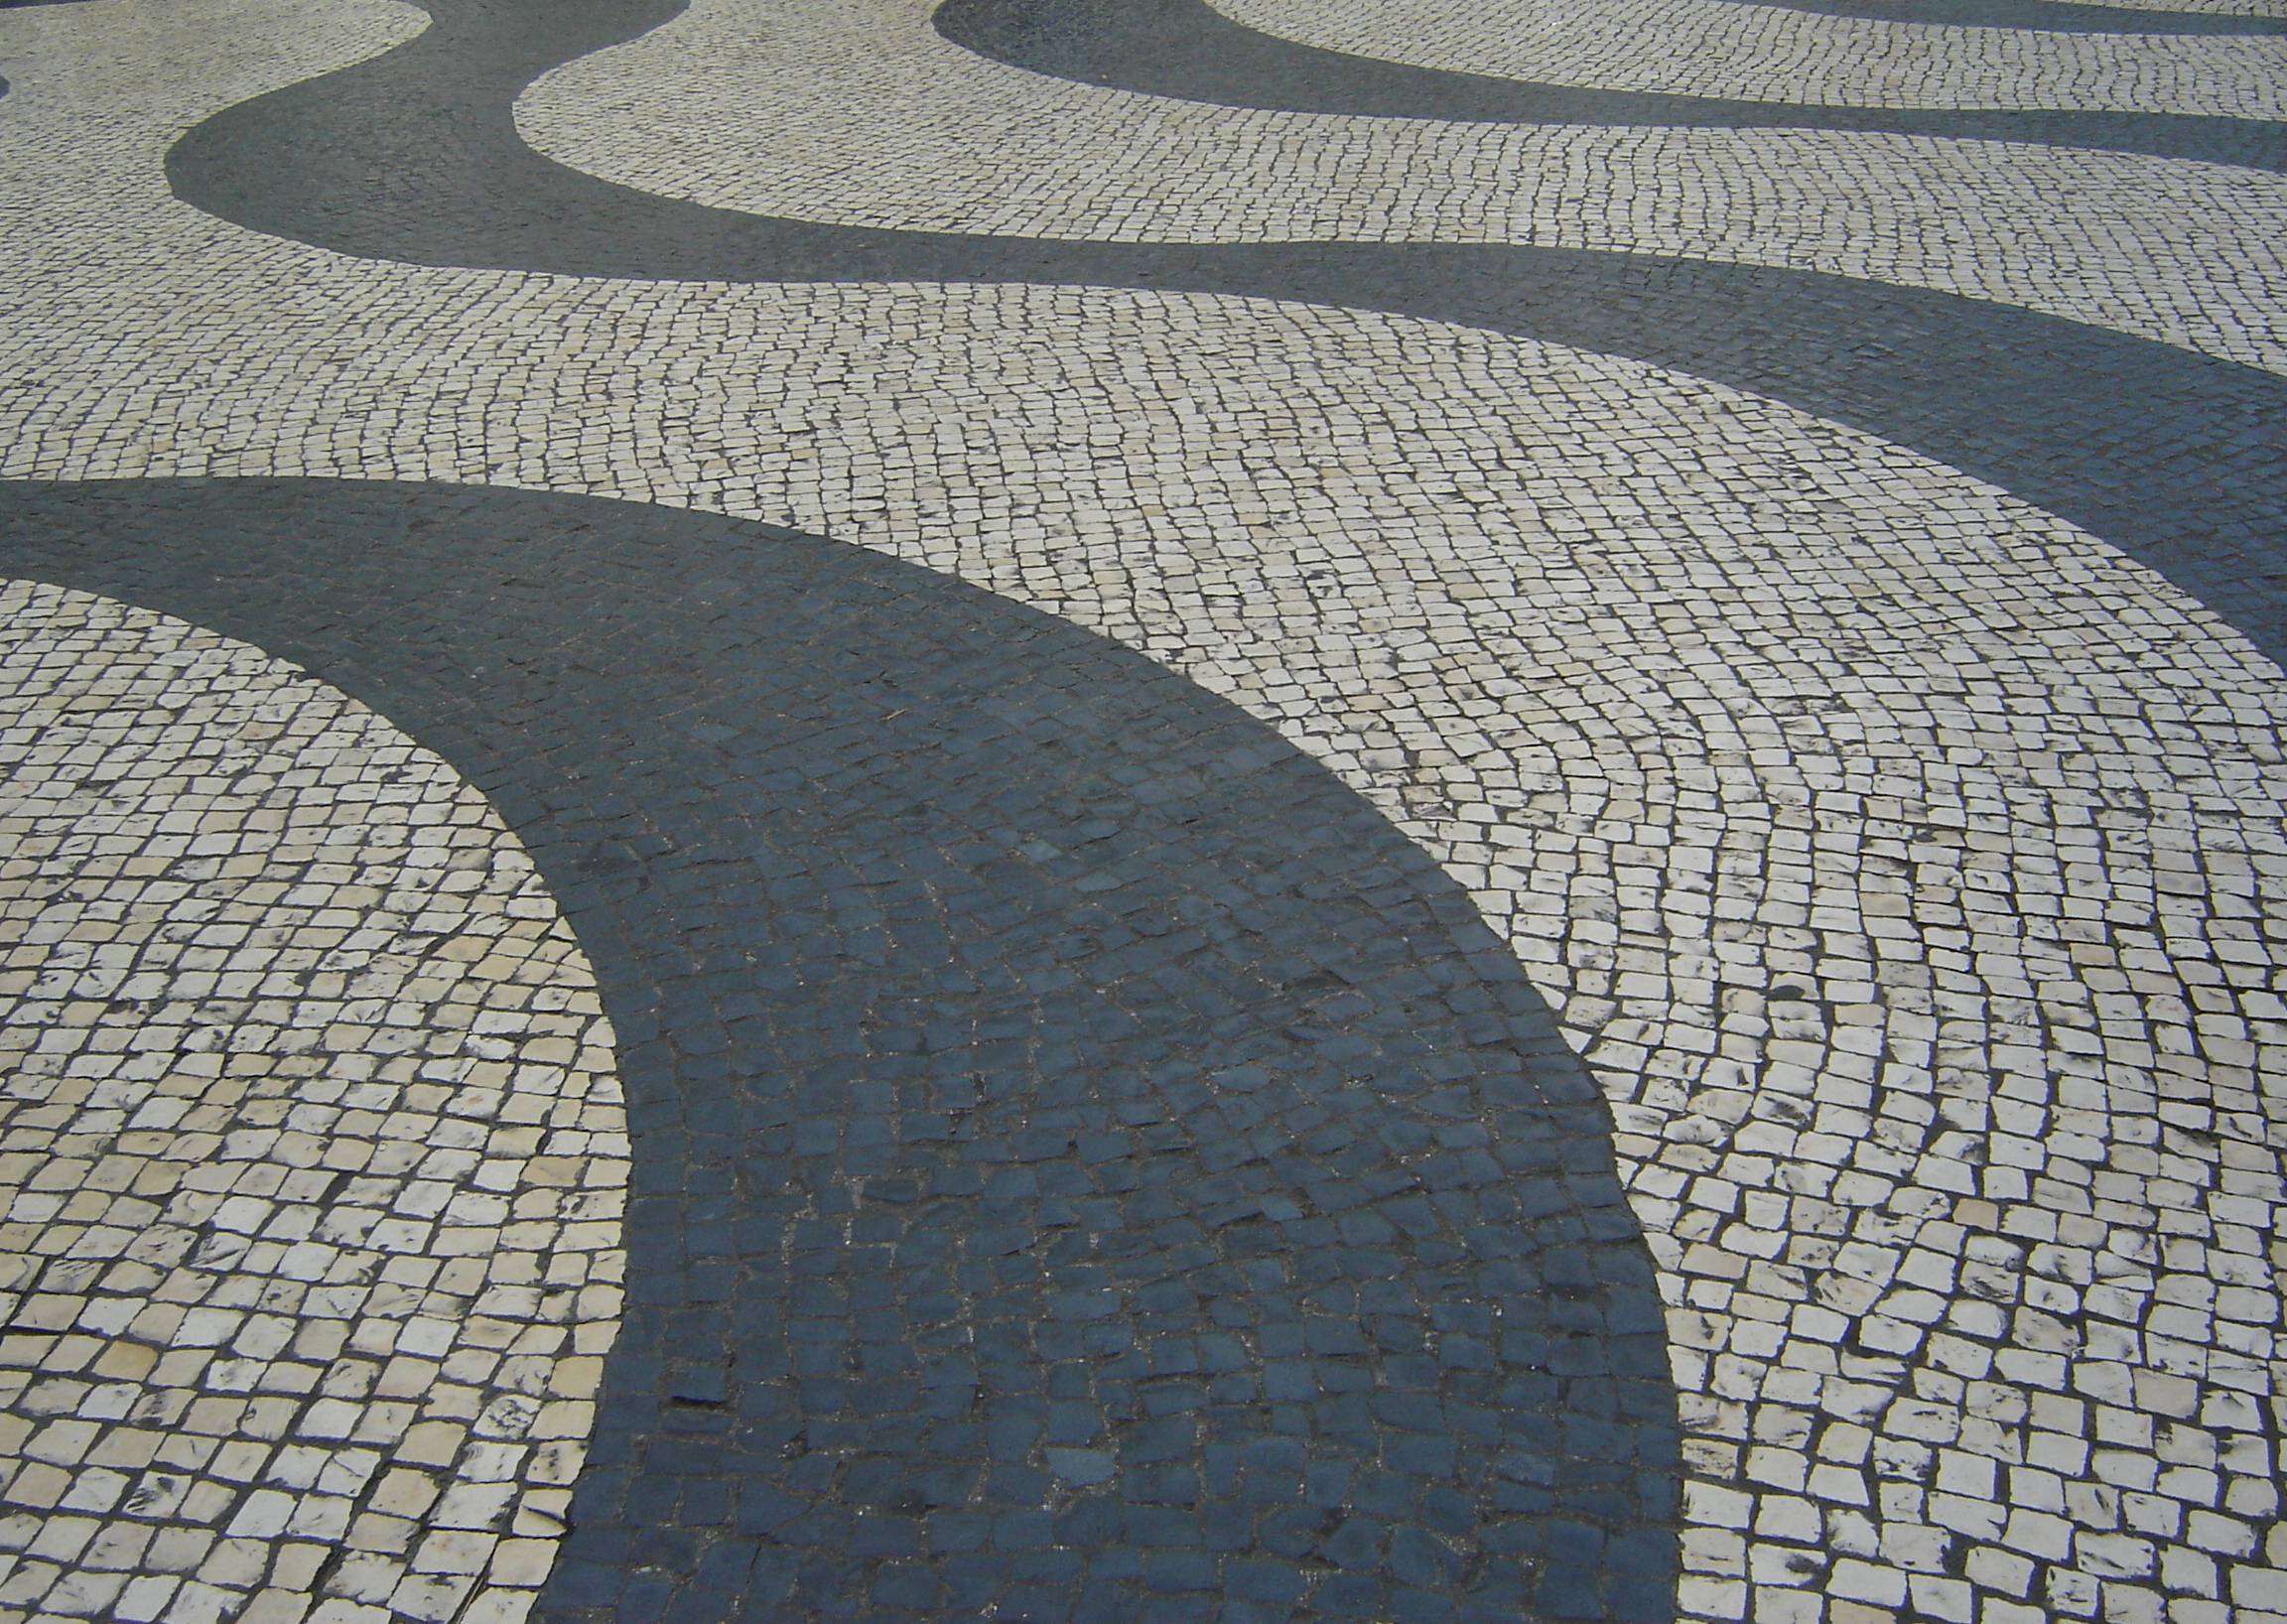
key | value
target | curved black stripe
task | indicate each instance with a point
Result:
(1049, 1089)
(1188, 49)
(2053, 16)
(2176, 459)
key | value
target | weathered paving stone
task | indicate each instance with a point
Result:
(2100, 238)
(1078, 1145)
(1905, 864)
(312, 1157)
(2136, 17)
(980, 151)
(2179, 460)
(1816, 54)
(1188, 49)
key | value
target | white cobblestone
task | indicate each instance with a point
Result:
(1908, 864)
(246, 928)
(1766, 52)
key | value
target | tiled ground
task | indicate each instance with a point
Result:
(1376, 811)
(315, 1153)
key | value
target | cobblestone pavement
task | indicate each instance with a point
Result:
(1324, 809)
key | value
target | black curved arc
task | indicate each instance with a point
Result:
(1186, 49)
(2052, 16)
(2178, 459)
(1048, 1088)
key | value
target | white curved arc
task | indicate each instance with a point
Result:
(1770, 748)
(857, 112)
(1733, 51)
(2208, 8)
(308, 1099)
(2205, 7)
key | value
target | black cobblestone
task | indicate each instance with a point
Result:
(2062, 16)
(1187, 48)
(2176, 459)
(1086, 1162)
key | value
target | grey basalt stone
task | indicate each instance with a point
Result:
(1189, 49)
(1085, 1159)
(2056, 16)
(2176, 459)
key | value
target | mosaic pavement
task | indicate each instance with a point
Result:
(1321, 809)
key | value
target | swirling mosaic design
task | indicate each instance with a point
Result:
(1520, 856)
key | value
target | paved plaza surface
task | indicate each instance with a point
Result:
(1143, 810)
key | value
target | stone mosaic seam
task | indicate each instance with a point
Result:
(2243, 8)
(1764, 1548)
(2162, 17)
(312, 1155)
(770, 115)
(1186, 50)
(964, 1274)
(1720, 47)
(2180, 461)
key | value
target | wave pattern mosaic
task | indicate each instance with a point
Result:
(314, 1156)
(1376, 812)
